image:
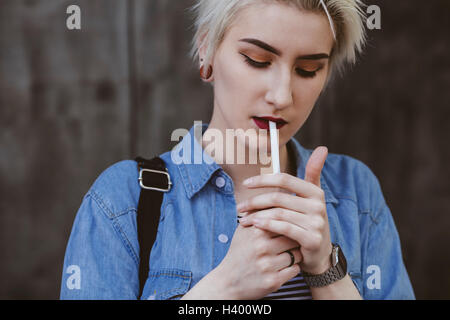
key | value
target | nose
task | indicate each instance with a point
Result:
(279, 93)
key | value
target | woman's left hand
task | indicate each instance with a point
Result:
(301, 217)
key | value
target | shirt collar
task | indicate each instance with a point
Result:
(198, 167)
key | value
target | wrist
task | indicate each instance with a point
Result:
(319, 269)
(213, 286)
(224, 286)
(322, 266)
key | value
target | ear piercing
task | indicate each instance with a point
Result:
(208, 74)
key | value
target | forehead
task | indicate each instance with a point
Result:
(284, 27)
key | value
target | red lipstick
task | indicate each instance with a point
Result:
(263, 122)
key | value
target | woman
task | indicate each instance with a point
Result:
(320, 229)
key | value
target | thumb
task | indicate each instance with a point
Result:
(315, 165)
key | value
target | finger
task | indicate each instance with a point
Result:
(280, 200)
(287, 274)
(283, 259)
(280, 214)
(283, 180)
(262, 232)
(281, 244)
(315, 164)
(294, 232)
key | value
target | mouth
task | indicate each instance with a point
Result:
(263, 122)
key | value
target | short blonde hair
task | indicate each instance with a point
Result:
(213, 17)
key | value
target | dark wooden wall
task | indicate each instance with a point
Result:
(74, 102)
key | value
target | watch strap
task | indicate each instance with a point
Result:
(333, 274)
(328, 277)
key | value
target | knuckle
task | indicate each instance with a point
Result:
(263, 224)
(270, 283)
(277, 213)
(258, 232)
(286, 228)
(313, 224)
(263, 265)
(318, 207)
(260, 248)
(318, 223)
(284, 178)
(274, 197)
(316, 241)
(308, 245)
(312, 243)
(321, 224)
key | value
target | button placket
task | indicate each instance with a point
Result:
(223, 238)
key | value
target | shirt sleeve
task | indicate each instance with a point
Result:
(384, 272)
(97, 263)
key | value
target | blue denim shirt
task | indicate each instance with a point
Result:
(197, 223)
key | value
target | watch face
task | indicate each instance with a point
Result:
(342, 260)
(335, 256)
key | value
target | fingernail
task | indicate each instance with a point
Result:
(243, 220)
(247, 182)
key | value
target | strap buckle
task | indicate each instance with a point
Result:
(169, 182)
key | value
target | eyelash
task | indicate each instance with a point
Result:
(261, 65)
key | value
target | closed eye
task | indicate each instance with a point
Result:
(260, 65)
(254, 63)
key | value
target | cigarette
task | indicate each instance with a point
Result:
(274, 147)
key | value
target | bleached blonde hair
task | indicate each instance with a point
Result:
(213, 17)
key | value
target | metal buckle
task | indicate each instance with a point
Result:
(169, 183)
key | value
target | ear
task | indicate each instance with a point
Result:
(201, 45)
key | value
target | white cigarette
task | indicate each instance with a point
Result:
(274, 147)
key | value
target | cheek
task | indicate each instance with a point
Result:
(234, 84)
(305, 96)
(309, 89)
(239, 77)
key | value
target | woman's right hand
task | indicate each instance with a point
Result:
(256, 263)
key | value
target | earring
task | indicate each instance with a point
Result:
(208, 74)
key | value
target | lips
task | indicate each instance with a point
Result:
(263, 122)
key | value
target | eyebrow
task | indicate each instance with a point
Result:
(269, 48)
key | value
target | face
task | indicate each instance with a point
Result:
(272, 62)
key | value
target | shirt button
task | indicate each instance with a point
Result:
(220, 182)
(223, 238)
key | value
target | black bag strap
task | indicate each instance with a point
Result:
(153, 180)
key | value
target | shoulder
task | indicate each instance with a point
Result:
(350, 178)
(116, 189)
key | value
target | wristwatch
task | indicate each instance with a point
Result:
(337, 271)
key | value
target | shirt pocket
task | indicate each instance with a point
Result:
(167, 284)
